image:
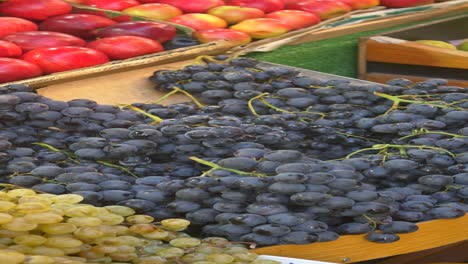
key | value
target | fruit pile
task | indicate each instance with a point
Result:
(47, 229)
(246, 19)
(261, 155)
(44, 37)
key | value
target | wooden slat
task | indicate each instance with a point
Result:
(452, 253)
(350, 249)
(383, 78)
(411, 53)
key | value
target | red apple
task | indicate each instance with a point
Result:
(197, 6)
(404, 3)
(260, 28)
(266, 6)
(115, 5)
(10, 25)
(361, 4)
(80, 25)
(235, 14)
(124, 47)
(234, 36)
(60, 59)
(324, 8)
(15, 69)
(119, 18)
(43, 39)
(199, 21)
(154, 11)
(148, 29)
(8, 49)
(296, 19)
(34, 10)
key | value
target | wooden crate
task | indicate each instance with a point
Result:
(395, 55)
(425, 245)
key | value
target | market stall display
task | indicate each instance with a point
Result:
(287, 144)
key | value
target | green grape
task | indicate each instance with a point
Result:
(58, 228)
(88, 232)
(35, 199)
(123, 256)
(235, 249)
(185, 242)
(20, 248)
(193, 257)
(215, 241)
(175, 224)
(30, 240)
(11, 257)
(5, 218)
(114, 230)
(131, 240)
(88, 254)
(33, 207)
(85, 221)
(150, 260)
(158, 234)
(220, 258)
(67, 198)
(103, 249)
(139, 219)
(19, 224)
(171, 252)
(71, 250)
(37, 259)
(245, 256)
(5, 241)
(208, 249)
(111, 219)
(120, 210)
(6, 206)
(63, 242)
(18, 193)
(43, 218)
(82, 210)
(142, 228)
(11, 234)
(109, 241)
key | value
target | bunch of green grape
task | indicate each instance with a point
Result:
(55, 229)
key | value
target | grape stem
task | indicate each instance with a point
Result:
(384, 148)
(51, 148)
(178, 90)
(156, 119)
(215, 166)
(72, 158)
(398, 99)
(423, 131)
(108, 164)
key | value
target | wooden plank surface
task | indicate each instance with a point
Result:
(382, 49)
(350, 249)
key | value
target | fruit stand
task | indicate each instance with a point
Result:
(177, 146)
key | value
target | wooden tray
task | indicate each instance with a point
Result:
(395, 55)
(134, 86)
